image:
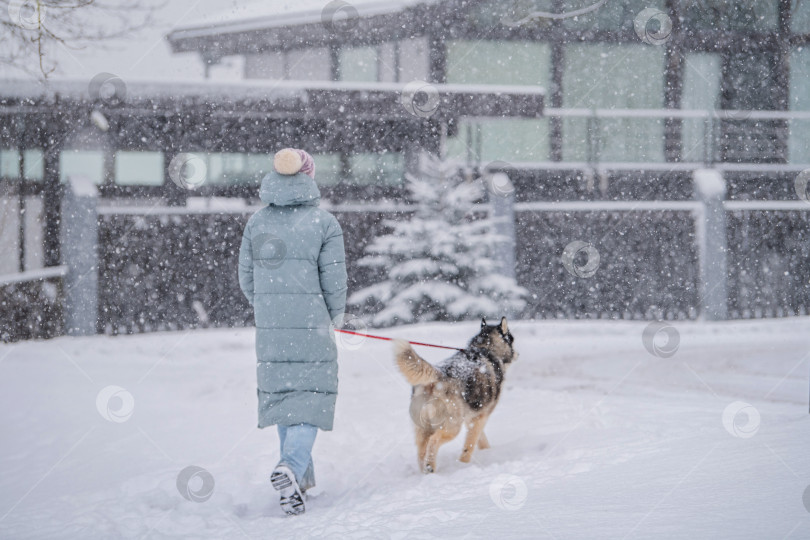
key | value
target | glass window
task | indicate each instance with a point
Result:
(506, 139)
(84, 163)
(34, 164)
(800, 101)
(499, 62)
(388, 62)
(309, 64)
(413, 60)
(267, 65)
(701, 91)
(628, 139)
(139, 168)
(358, 64)
(327, 168)
(745, 16)
(9, 163)
(800, 17)
(232, 168)
(614, 77)
(388, 168)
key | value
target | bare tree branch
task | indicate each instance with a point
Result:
(31, 30)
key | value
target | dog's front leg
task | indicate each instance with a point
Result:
(474, 432)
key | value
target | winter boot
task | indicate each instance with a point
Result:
(292, 499)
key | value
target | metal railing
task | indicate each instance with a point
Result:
(675, 139)
(706, 137)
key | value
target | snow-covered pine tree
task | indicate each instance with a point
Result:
(440, 265)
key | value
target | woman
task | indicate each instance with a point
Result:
(292, 270)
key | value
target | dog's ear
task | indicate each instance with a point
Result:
(504, 328)
(483, 322)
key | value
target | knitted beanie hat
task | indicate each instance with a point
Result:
(292, 161)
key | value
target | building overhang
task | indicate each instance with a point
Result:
(414, 101)
(252, 116)
(367, 22)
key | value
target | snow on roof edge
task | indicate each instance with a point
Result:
(222, 25)
(242, 88)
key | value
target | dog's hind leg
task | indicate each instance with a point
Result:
(474, 432)
(483, 442)
(436, 440)
(422, 438)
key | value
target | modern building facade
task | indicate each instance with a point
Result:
(600, 111)
(636, 58)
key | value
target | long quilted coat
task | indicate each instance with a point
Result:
(292, 270)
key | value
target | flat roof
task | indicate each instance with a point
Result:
(284, 13)
(311, 99)
(243, 88)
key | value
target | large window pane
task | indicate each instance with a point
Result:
(9, 163)
(499, 62)
(34, 167)
(139, 168)
(626, 139)
(701, 91)
(388, 168)
(309, 64)
(267, 65)
(614, 77)
(508, 139)
(800, 17)
(388, 62)
(358, 64)
(34, 164)
(799, 147)
(327, 168)
(413, 60)
(82, 163)
(231, 168)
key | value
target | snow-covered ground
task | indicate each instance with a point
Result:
(595, 437)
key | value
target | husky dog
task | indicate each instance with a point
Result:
(462, 390)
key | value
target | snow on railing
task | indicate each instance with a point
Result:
(724, 114)
(621, 206)
(33, 275)
(729, 138)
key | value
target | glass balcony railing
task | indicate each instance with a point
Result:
(640, 138)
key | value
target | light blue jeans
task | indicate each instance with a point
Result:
(296, 452)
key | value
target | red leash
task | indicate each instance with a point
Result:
(391, 339)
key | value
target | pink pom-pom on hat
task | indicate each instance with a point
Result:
(292, 161)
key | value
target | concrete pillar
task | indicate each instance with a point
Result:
(502, 200)
(710, 190)
(80, 255)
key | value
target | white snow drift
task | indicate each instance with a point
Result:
(601, 433)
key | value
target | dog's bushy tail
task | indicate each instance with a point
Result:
(416, 369)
